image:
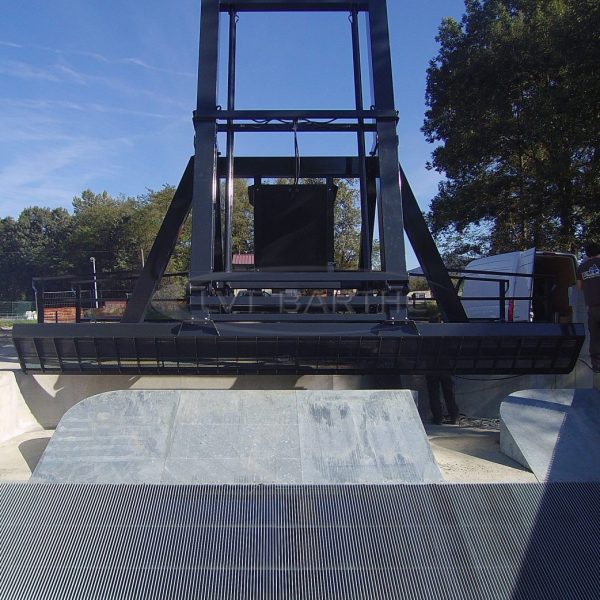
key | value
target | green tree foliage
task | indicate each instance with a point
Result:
(102, 227)
(32, 245)
(346, 226)
(14, 286)
(514, 99)
(148, 218)
(243, 219)
(242, 234)
(45, 242)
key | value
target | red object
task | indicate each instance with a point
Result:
(242, 259)
(511, 310)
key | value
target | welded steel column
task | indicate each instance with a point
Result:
(230, 141)
(391, 224)
(205, 162)
(365, 244)
(429, 258)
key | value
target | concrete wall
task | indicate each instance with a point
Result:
(15, 416)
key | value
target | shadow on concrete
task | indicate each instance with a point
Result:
(484, 445)
(561, 556)
(556, 432)
(8, 352)
(570, 497)
(576, 456)
(32, 450)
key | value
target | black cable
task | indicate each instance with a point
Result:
(296, 154)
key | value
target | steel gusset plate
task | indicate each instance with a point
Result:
(298, 348)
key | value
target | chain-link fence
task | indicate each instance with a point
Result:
(18, 310)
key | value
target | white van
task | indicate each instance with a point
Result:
(540, 279)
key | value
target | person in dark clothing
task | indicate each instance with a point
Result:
(588, 280)
(434, 382)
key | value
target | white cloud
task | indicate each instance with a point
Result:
(54, 173)
(23, 70)
(71, 74)
(144, 65)
(133, 61)
(10, 44)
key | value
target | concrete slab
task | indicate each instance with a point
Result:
(470, 453)
(15, 416)
(555, 433)
(231, 436)
(20, 455)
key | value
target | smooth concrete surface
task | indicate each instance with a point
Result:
(555, 433)
(220, 436)
(50, 396)
(469, 453)
(15, 416)
(20, 455)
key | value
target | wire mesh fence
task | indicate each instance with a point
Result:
(17, 310)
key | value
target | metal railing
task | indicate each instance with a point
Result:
(104, 298)
(99, 299)
(503, 299)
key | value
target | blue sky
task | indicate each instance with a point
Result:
(99, 94)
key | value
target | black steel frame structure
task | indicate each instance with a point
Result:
(369, 333)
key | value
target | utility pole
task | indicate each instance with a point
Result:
(93, 261)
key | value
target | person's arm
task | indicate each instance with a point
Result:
(580, 284)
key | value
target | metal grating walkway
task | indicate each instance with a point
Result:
(407, 541)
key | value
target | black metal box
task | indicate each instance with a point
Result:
(293, 226)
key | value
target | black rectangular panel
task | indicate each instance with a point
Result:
(293, 226)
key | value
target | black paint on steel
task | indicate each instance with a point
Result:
(312, 126)
(285, 216)
(38, 290)
(294, 115)
(281, 342)
(340, 345)
(444, 542)
(372, 174)
(230, 139)
(429, 258)
(246, 167)
(162, 249)
(390, 199)
(311, 279)
(293, 5)
(205, 163)
(365, 242)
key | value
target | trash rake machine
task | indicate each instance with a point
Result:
(343, 321)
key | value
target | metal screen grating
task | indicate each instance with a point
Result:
(411, 541)
(326, 354)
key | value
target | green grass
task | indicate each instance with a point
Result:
(8, 323)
